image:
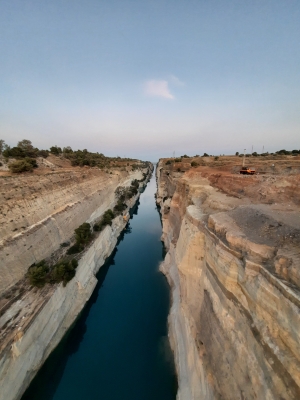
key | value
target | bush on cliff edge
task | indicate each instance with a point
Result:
(25, 165)
(39, 274)
(83, 235)
(106, 219)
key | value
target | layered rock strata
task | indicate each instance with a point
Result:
(34, 321)
(233, 266)
(39, 213)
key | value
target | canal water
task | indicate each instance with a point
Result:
(118, 349)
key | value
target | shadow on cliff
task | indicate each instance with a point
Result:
(52, 371)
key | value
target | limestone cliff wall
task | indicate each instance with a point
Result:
(39, 214)
(37, 320)
(234, 323)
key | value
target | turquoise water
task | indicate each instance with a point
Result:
(118, 348)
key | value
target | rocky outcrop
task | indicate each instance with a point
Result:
(233, 266)
(36, 320)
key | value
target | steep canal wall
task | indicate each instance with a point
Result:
(231, 262)
(37, 320)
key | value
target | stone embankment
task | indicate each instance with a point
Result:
(38, 215)
(233, 256)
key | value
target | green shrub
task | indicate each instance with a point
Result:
(123, 193)
(43, 153)
(177, 160)
(63, 271)
(15, 152)
(106, 219)
(108, 216)
(23, 149)
(194, 164)
(67, 150)
(283, 152)
(37, 273)
(76, 248)
(55, 150)
(25, 165)
(83, 233)
(132, 191)
(120, 206)
(32, 161)
(134, 188)
(98, 227)
(135, 183)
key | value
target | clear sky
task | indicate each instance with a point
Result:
(144, 78)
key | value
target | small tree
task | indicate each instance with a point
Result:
(64, 271)
(120, 206)
(107, 218)
(25, 144)
(2, 145)
(55, 150)
(37, 274)
(67, 150)
(26, 147)
(237, 153)
(83, 233)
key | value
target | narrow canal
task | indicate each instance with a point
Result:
(118, 348)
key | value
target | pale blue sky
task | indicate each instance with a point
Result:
(146, 78)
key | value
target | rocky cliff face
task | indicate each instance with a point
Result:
(233, 265)
(39, 213)
(32, 320)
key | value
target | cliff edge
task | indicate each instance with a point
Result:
(233, 253)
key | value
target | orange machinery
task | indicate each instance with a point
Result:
(247, 171)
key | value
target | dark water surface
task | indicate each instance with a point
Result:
(118, 348)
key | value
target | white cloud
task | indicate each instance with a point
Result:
(158, 88)
(176, 81)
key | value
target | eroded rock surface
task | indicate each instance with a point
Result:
(233, 263)
(39, 213)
